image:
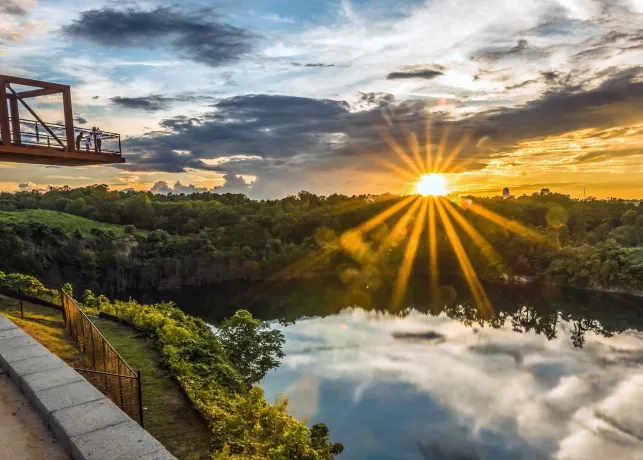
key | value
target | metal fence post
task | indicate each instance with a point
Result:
(140, 396)
(22, 312)
(62, 302)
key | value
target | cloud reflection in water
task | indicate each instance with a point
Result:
(474, 393)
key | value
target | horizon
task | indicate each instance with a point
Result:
(333, 96)
(454, 194)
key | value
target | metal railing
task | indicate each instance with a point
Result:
(32, 133)
(110, 373)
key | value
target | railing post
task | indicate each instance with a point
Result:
(22, 312)
(140, 396)
(120, 382)
(91, 331)
(37, 133)
(62, 302)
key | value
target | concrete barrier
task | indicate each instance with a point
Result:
(86, 423)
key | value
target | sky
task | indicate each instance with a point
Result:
(269, 98)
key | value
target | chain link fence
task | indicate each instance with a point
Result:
(109, 373)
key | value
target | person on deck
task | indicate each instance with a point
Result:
(88, 142)
(98, 140)
(78, 139)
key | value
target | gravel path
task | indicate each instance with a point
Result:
(23, 434)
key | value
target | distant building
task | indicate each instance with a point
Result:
(505, 193)
(544, 192)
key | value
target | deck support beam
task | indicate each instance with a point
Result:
(69, 120)
(5, 127)
(15, 121)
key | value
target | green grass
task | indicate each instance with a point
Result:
(66, 222)
(168, 415)
(46, 326)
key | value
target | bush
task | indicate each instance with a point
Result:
(242, 423)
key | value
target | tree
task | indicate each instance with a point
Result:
(251, 345)
(629, 217)
(320, 440)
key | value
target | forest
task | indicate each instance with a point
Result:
(111, 241)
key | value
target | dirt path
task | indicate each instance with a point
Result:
(23, 434)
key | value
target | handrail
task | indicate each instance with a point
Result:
(30, 135)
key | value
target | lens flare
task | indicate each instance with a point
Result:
(431, 184)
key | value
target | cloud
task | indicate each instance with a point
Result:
(162, 187)
(199, 36)
(427, 72)
(151, 103)
(520, 49)
(294, 132)
(525, 397)
(233, 184)
(375, 99)
(156, 102)
(31, 187)
(15, 22)
(312, 64)
(521, 85)
(12, 8)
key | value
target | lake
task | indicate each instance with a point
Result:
(551, 373)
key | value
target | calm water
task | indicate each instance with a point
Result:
(551, 374)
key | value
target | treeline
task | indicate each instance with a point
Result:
(205, 238)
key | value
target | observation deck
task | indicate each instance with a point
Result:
(37, 142)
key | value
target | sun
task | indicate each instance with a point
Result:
(431, 184)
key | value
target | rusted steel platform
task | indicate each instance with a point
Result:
(38, 142)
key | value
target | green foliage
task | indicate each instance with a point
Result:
(208, 238)
(68, 289)
(242, 423)
(29, 285)
(251, 346)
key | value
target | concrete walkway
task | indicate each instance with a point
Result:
(23, 434)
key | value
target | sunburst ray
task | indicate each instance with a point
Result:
(478, 292)
(409, 256)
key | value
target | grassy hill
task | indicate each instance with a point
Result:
(66, 222)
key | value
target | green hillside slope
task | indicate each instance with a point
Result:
(66, 222)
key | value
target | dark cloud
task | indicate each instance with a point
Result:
(375, 99)
(151, 103)
(156, 102)
(521, 49)
(551, 76)
(12, 8)
(521, 85)
(312, 64)
(196, 35)
(613, 103)
(427, 72)
(292, 134)
(80, 120)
